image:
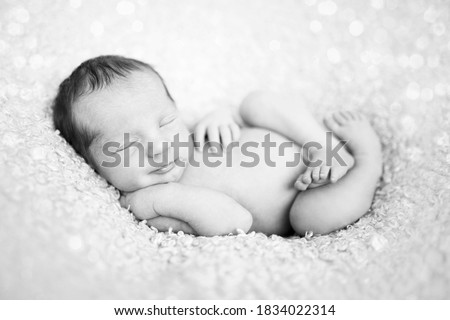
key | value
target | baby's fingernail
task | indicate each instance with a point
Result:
(213, 149)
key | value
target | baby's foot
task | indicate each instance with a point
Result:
(361, 139)
(325, 171)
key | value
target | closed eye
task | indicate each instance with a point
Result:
(169, 119)
(121, 148)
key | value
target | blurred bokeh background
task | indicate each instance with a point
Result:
(62, 231)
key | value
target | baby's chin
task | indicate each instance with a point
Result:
(172, 175)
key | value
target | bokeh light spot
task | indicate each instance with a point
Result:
(75, 243)
(125, 7)
(413, 91)
(315, 26)
(15, 29)
(274, 45)
(356, 28)
(75, 3)
(137, 26)
(333, 55)
(327, 8)
(377, 4)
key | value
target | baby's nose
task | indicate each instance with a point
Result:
(162, 152)
(156, 148)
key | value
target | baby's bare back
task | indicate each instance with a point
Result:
(259, 178)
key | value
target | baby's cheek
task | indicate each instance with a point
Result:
(125, 179)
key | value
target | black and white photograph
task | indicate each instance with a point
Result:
(257, 150)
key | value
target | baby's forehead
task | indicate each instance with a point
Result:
(138, 85)
(121, 100)
(136, 81)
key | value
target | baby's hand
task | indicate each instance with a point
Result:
(123, 200)
(139, 203)
(219, 127)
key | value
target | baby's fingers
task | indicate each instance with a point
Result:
(213, 137)
(123, 201)
(235, 131)
(199, 136)
(225, 135)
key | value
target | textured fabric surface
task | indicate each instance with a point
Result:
(62, 231)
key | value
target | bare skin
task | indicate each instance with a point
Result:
(349, 198)
(289, 117)
(337, 202)
(269, 197)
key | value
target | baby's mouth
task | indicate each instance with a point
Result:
(166, 168)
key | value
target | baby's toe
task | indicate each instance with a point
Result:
(349, 115)
(339, 117)
(324, 171)
(307, 176)
(299, 185)
(356, 115)
(330, 123)
(316, 174)
(337, 173)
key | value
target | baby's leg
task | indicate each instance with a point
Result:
(289, 116)
(337, 205)
(285, 114)
(164, 224)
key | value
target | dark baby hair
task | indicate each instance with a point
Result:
(92, 75)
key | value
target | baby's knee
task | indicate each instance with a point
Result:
(255, 104)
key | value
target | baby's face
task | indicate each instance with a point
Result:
(136, 122)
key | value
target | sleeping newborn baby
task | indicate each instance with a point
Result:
(267, 167)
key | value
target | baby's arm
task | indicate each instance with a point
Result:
(205, 211)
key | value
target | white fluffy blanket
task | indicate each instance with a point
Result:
(62, 231)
